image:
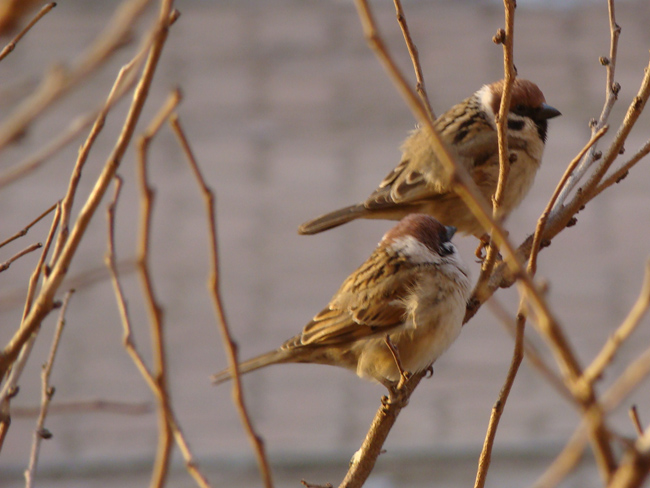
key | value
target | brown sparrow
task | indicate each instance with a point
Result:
(413, 288)
(420, 184)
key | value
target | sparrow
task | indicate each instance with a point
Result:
(410, 293)
(421, 184)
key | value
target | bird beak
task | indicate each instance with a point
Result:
(451, 230)
(547, 112)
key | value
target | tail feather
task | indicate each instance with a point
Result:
(273, 357)
(332, 219)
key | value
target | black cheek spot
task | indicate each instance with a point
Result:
(515, 124)
(542, 128)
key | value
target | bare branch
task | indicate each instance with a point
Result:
(32, 247)
(611, 95)
(213, 284)
(10, 387)
(530, 351)
(634, 416)
(497, 409)
(87, 406)
(28, 226)
(629, 325)
(111, 263)
(364, 460)
(165, 435)
(507, 39)
(543, 219)
(622, 172)
(420, 87)
(12, 44)
(47, 392)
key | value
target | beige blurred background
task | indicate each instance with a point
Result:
(291, 115)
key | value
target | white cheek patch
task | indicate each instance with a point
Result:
(418, 252)
(485, 96)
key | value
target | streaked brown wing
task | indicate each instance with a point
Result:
(420, 176)
(371, 301)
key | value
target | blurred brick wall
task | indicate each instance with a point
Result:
(291, 115)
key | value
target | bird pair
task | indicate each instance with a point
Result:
(409, 296)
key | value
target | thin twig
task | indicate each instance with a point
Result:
(506, 95)
(131, 349)
(123, 82)
(47, 392)
(506, 38)
(168, 427)
(32, 247)
(543, 219)
(24, 231)
(631, 116)
(636, 421)
(81, 280)
(87, 406)
(213, 284)
(592, 186)
(626, 383)
(497, 409)
(611, 95)
(165, 437)
(10, 386)
(111, 263)
(310, 485)
(12, 44)
(530, 351)
(629, 325)
(420, 87)
(622, 172)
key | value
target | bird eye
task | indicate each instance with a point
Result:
(447, 248)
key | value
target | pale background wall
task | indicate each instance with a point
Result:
(291, 115)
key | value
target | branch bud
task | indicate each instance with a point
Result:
(500, 37)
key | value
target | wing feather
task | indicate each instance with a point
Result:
(371, 301)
